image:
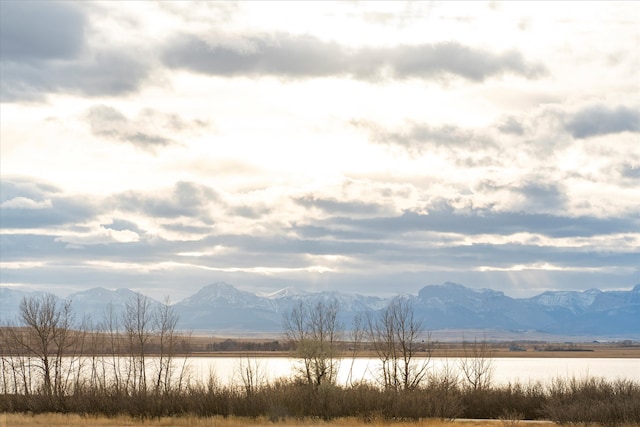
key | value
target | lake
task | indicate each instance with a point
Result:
(227, 370)
(523, 370)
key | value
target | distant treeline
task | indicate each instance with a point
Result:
(231, 345)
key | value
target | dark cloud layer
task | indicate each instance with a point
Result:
(542, 196)
(29, 204)
(11, 188)
(485, 221)
(602, 120)
(101, 73)
(32, 31)
(44, 50)
(305, 56)
(185, 199)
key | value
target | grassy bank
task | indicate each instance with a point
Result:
(59, 420)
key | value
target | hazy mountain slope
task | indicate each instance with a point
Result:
(96, 302)
(221, 307)
(10, 302)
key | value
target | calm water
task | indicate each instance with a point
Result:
(506, 370)
(227, 369)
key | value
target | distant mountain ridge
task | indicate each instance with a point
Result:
(223, 308)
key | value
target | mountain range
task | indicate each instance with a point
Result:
(224, 309)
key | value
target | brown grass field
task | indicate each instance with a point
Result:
(200, 346)
(73, 420)
(455, 350)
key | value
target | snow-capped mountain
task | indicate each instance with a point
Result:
(222, 294)
(223, 308)
(572, 300)
(284, 293)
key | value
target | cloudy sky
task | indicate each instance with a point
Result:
(366, 147)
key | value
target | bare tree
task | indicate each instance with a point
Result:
(358, 333)
(137, 323)
(477, 365)
(252, 374)
(315, 331)
(16, 360)
(49, 338)
(165, 320)
(396, 336)
(110, 326)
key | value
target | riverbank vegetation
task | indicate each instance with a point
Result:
(585, 401)
(48, 366)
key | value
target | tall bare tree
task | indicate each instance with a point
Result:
(137, 323)
(165, 320)
(397, 338)
(49, 338)
(110, 327)
(315, 331)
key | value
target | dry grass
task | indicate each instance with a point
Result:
(73, 420)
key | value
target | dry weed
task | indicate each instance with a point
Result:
(74, 420)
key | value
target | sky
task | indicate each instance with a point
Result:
(367, 147)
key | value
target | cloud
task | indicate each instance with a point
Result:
(541, 196)
(185, 199)
(630, 172)
(44, 50)
(250, 211)
(511, 125)
(25, 203)
(416, 137)
(445, 218)
(123, 225)
(102, 73)
(33, 31)
(15, 187)
(110, 123)
(337, 207)
(50, 213)
(533, 194)
(304, 56)
(603, 120)
(32, 204)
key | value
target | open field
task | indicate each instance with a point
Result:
(54, 420)
(201, 346)
(278, 346)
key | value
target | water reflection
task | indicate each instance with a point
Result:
(506, 370)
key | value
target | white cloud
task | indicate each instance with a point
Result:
(25, 203)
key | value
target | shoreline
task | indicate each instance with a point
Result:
(587, 353)
(438, 354)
